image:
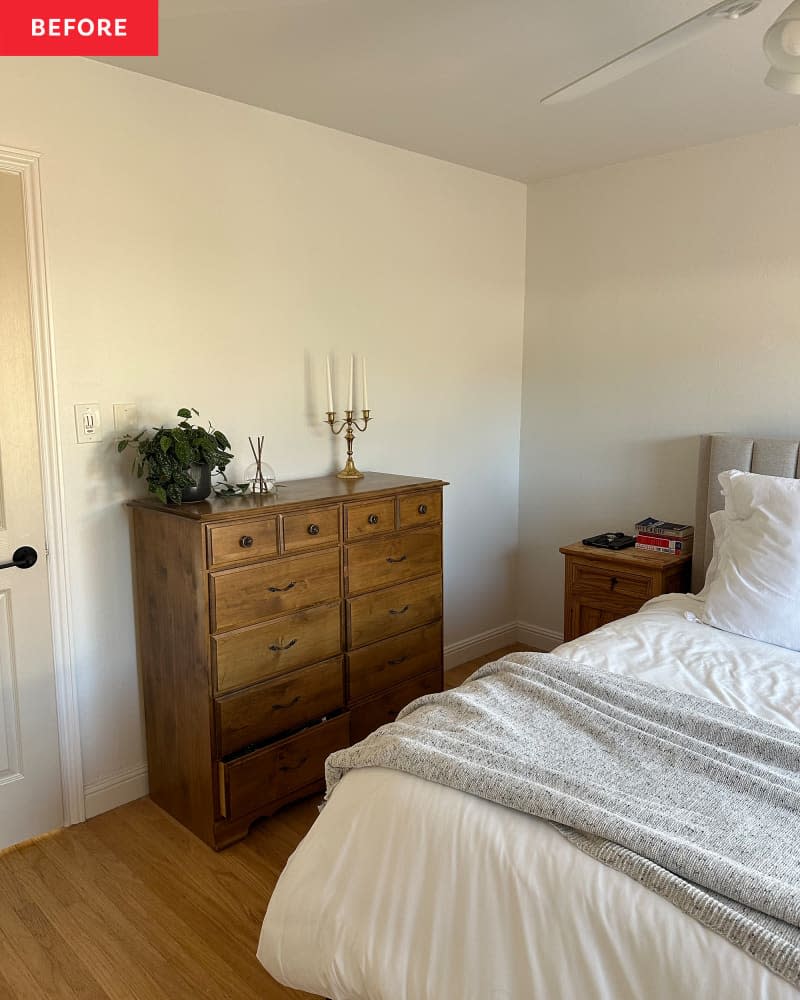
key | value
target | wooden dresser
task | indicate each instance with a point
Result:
(601, 585)
(273, 631)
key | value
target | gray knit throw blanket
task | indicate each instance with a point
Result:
(698, 802)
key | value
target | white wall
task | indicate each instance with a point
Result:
(207, 253)
(662, 303)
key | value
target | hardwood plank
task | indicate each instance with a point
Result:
(132, 906)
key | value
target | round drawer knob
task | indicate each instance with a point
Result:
(373, 519)
(313, 529)
(246, 541)
(422, 509)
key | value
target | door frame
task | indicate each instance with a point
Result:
(26, 165)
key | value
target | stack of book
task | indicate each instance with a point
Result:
(674, 539)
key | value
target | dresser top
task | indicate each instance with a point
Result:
(293, 493)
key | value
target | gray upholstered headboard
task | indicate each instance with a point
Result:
(718, 452)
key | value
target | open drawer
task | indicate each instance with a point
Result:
(251, 782)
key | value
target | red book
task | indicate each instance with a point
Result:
(658, 543)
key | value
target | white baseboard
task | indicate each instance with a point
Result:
(478, 645)
(116, 790)
(539, 637)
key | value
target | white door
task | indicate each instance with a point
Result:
(30, 776)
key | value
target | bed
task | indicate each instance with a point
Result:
(408, 889)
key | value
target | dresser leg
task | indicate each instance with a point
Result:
(230, 832)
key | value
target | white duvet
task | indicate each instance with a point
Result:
(406, 890)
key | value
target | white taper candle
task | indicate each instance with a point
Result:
(365, 401)
(330, 383)
(352, 376)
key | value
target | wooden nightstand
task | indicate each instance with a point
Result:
(601, 585)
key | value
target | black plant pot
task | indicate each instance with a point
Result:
(202, 477)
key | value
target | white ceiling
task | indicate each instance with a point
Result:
(461, 79)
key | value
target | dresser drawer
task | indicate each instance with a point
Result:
(283, 644)
(368, 717)
(384, 664)
(254, 593)
(375, 517)
(244, 541)
(310, 529)
(278, 706)
(588, 579)
(386, 561)
(252, 782)
(420, 508)
(398, 609)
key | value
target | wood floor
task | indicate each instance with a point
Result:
(131, 906)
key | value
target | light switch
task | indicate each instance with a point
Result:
(88, 424)
(126, 419)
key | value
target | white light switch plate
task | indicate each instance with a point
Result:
(88, 423)
(126, 418)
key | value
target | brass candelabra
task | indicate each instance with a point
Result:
(349, 425)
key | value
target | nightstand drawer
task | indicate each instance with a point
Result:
(383, 664)
(254, 593)
(310, 529)
(259, 652)
(379, 711)
(244, 541)
(265, 711)
(252, 782)
(398, 609)
(385, 561)
(364, 519)
(420, 508)
(596, 580)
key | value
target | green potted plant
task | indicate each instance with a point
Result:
(178, 461)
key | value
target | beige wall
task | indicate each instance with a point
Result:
(207, 253)
(662, 302)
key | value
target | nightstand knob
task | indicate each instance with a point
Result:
(422, 509)
(614, 582)
(313, 529)
(246, 541)
(373, 519)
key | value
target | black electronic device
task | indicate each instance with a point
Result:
(610, 540)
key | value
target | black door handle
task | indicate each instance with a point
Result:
(24, 557)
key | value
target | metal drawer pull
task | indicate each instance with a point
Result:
(293, 767)
(246, 541)
(282, 649)
(281, 590)
(400, 659)
(401, 559)
(373, 519)
(402, 611)
(313, 529)
(422, 509)
(294, 701)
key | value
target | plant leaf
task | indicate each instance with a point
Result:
(183, 412)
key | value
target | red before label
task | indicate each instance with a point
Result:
(78, 28)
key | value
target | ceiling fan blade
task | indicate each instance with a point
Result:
(650, 51)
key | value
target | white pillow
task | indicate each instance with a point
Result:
(719, 521)
(756, 589)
